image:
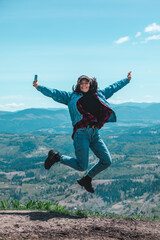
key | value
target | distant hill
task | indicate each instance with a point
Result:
(29, 120)
(58, 120)
(137, 113)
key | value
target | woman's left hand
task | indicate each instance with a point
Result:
(129, 76)
(35, 84)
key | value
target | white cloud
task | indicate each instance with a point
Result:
(138, 34)
(12, 106)
(15, 105)
(122, 40)
(154, 37)
(152, 28)
(148, 96)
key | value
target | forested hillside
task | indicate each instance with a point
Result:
(131, 184)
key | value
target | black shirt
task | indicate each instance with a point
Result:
(90, 104)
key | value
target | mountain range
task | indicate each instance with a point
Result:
(58, 120)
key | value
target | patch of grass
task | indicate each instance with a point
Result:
(29, 205)
(50, 207)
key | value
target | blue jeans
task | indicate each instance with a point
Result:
(84, 139)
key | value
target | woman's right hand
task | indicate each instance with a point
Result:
(35, 84)
(129, 76)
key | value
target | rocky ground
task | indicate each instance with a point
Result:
(45, 225)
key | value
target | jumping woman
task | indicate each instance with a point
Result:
(89, 111)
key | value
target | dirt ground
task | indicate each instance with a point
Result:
(45, 225)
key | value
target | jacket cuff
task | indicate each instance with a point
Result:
(39, 88)
(128, 80)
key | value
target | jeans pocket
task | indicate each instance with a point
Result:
(82, 130)
(80, 136)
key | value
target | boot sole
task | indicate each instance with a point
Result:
(82, 185)
(47, 163)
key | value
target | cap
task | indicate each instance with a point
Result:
(84, 77)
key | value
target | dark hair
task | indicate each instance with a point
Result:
(93, 86)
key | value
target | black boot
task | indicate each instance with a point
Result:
(51, 159)
(86, 183)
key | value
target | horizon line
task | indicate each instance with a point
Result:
(56, 108)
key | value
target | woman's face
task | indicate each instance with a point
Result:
(84, 86)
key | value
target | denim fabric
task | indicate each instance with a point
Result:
(84, 139)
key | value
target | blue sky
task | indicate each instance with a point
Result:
(62, 39)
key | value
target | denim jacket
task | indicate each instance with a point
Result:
(70, 98)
